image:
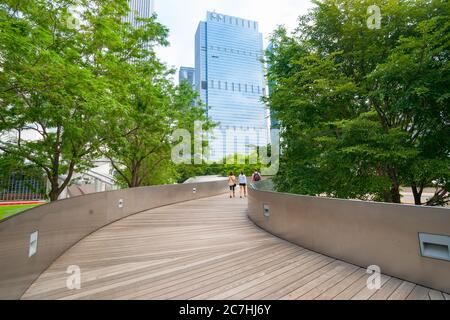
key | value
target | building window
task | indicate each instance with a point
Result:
(220, 85)
(232, 86)
(212, 84)
(239, 86)
(204, 85)
(226, 85)
(246, 87)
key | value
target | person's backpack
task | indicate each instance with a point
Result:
(257, 177)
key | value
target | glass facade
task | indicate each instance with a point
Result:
(19, 186)
(139, 9)
(274, 124)
(187, 74)
(230, 80)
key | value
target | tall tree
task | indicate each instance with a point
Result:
(50, 101)
(58, 82)
(414, 84)
(352, 123)
(140, 144)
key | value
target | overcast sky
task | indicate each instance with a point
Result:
(182, 18)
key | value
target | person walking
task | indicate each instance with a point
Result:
(256, 176)
(242, 184)
(232, 185)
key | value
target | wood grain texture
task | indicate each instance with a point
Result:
(206, 249)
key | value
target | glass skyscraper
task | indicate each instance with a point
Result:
(274, 123)
(230, 80)
(139, 9)
(187, 74)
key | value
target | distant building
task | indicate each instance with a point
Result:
(229, 76)
(139, 9)
(274, 123)
(187, 74)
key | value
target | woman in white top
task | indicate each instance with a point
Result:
(242, 184)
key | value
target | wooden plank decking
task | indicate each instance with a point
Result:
(206, 249)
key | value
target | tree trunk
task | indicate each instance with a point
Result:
(417, 194)
(135, 181)
(57, 189)
(54, 191)
(395, 188)
(395, 193)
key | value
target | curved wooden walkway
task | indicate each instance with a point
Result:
(206, 249)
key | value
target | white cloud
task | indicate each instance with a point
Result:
(182, 18)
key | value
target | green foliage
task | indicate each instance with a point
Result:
(86, 90)
(49, 85)
(233, 163)
(138, 138)
(364, 111)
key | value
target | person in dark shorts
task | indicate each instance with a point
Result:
(242, 184)
(232, 185)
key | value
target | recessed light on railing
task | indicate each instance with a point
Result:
(33, 244)
(266, 210)
(435, 246)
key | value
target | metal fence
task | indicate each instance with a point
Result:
(19, 187)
